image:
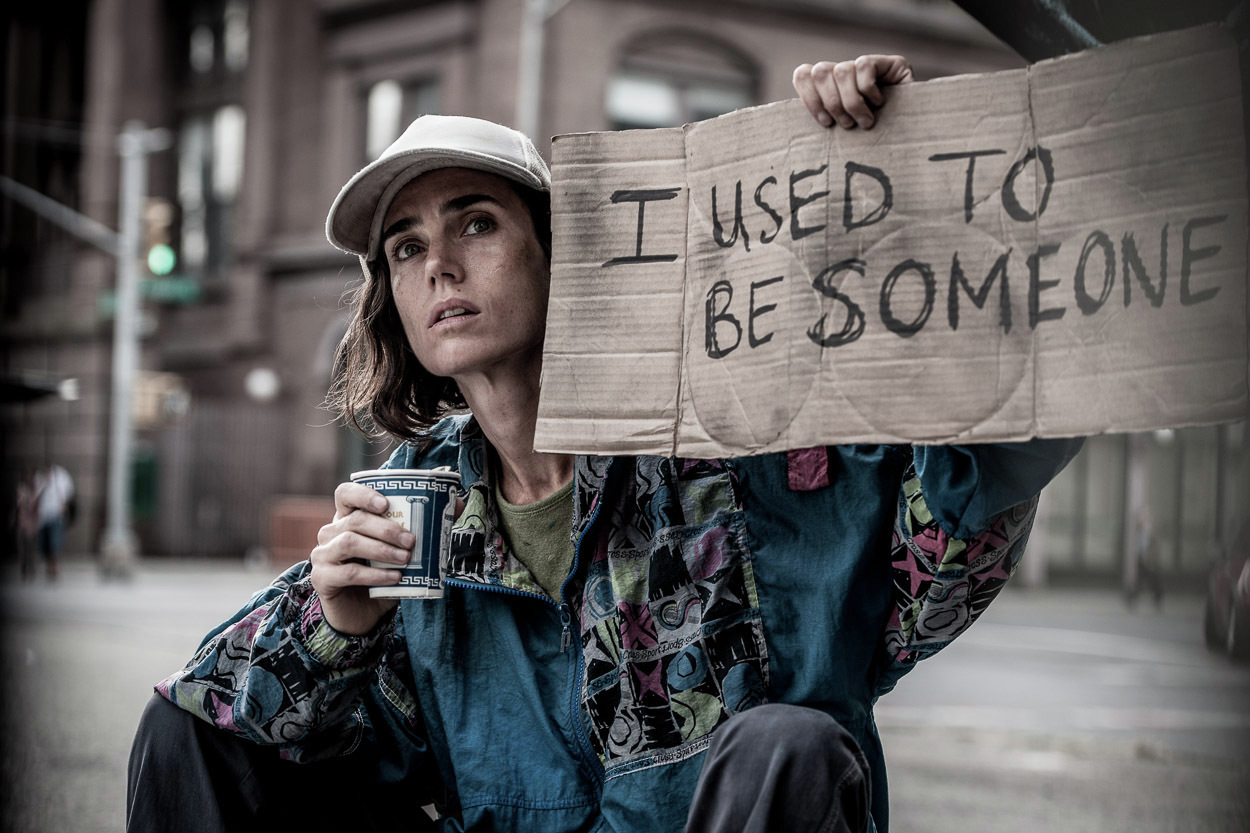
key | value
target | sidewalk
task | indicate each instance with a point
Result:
(82, 656)
(1065, 710)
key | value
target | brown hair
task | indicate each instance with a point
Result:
(378, 385)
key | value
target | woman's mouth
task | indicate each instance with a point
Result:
(451, 310)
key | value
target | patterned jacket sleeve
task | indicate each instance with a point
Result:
(964, 517)
(277, 673)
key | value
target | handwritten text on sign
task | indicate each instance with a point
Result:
(1042, 252)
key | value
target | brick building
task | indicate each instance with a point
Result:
(272, 105)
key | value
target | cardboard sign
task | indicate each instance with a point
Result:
(1052, 251)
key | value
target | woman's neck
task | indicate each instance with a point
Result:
(506, 408)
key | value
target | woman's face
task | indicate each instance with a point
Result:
(468, 275)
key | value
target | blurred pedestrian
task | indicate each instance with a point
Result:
(1146, 554)
(55, 490)
(26, 521)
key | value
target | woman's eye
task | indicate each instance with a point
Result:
(406, 250)
(479, 225)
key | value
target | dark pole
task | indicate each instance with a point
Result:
(1178, 540)
(1221, 448)
(1040, 29)
(1036, 29)
(1081, 488)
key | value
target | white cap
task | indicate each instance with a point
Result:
(431, 142)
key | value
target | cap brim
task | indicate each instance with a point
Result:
(355, 218)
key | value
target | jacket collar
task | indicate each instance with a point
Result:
(479, 554)
(589, 473)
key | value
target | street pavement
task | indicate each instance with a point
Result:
(1060, 711)
(80, 657)
(1065, 711)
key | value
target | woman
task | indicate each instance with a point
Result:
(700, 648)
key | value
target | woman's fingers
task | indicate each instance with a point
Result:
(846, 91)
(359, 533)
(335, 547)
(846, 76)
(349, 497)
(805, 85)
(341, 570)
(876, 71)
(867, 73)
(335, 576)
(371, 526)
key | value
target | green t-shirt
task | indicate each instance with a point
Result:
(538, 534)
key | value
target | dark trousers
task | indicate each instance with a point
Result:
(771, 768)
(780, 768)
(190, 777)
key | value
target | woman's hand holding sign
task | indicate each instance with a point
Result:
(846, 91)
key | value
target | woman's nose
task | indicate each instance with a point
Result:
(442, 262)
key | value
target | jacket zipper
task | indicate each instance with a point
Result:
(566, 638)
(566, 635)
(565, 612)
(493, 588)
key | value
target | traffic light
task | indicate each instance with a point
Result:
(158, 219)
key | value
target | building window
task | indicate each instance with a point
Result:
(390, 106)
(203, 48)
(210, 169)
(218, 40)
(235, 36)
(227, 152)
(672, 78)
(212, 128)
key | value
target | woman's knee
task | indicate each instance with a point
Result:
(784, 740)
(782, 767)
(163, 727)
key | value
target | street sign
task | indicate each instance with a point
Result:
(170, 289)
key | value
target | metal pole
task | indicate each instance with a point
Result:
(1036, 29)
(1178, 539)
(1079, 517)
(1221, 448)
(79, 225)
(134, 144)
(529, 70)
(1136, 473)
(529, 77)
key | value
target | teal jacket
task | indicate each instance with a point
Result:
(698, 589)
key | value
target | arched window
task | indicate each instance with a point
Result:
(671, 78)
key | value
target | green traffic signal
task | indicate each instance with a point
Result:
(161, 259)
